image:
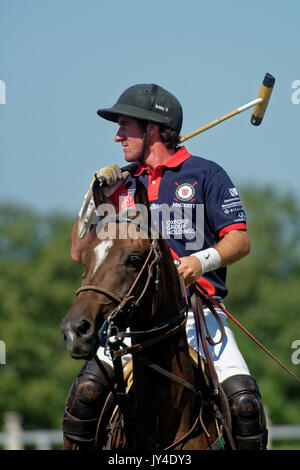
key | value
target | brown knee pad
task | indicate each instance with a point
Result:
(85, 402)
(247, 412)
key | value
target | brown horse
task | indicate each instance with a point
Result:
(131, 284)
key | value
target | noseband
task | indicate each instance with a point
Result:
(127, 305)
(106, 292)
(131, 300)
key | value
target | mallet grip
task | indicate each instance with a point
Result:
(264, 93)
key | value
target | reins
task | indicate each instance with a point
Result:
(110, 336)
(162, 332)
(210, 300)
(113, 340)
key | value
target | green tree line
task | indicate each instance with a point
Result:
(37, 287)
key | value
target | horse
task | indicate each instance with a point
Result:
(131, 289)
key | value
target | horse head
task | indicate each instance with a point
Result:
(129, 273)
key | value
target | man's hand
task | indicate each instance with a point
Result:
(113, 176)
(190, 269)
(232, 247)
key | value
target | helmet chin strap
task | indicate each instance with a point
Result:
(141, 156)
(150, 107)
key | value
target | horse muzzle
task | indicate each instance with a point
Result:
(80, 338)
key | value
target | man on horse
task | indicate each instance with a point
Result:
(150, 120)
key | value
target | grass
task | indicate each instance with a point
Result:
(285, 444)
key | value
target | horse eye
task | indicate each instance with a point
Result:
(135, 261)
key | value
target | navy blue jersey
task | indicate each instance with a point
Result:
(194, 203)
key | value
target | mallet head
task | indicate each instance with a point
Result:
(264, 93)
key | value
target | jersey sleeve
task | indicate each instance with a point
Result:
(224, 208)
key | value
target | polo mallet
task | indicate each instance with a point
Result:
(260, 103)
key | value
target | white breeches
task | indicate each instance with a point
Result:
(226, 356)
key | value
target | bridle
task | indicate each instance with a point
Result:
(112, 339)
(109, 334)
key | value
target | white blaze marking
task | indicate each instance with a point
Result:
(101, 252)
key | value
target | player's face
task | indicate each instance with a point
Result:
(130, 135)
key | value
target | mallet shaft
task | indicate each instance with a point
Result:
(260, 103)
(221, 119)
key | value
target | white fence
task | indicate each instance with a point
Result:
(15, 438)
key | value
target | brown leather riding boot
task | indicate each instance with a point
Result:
(84, 405)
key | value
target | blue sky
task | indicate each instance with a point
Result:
(61, 60)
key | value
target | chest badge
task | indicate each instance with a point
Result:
(185, 192)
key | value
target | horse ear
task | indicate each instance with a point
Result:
(141, 196)
(98, 194)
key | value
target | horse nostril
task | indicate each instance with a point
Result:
(83, 328)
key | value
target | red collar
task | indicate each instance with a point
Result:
(179, 157)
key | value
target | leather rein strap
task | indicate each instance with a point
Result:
(199, 322)
(130, 302)
(127, 305)
(208, 299)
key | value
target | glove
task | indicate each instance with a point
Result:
(113, 176)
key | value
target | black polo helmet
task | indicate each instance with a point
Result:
(148, 102)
